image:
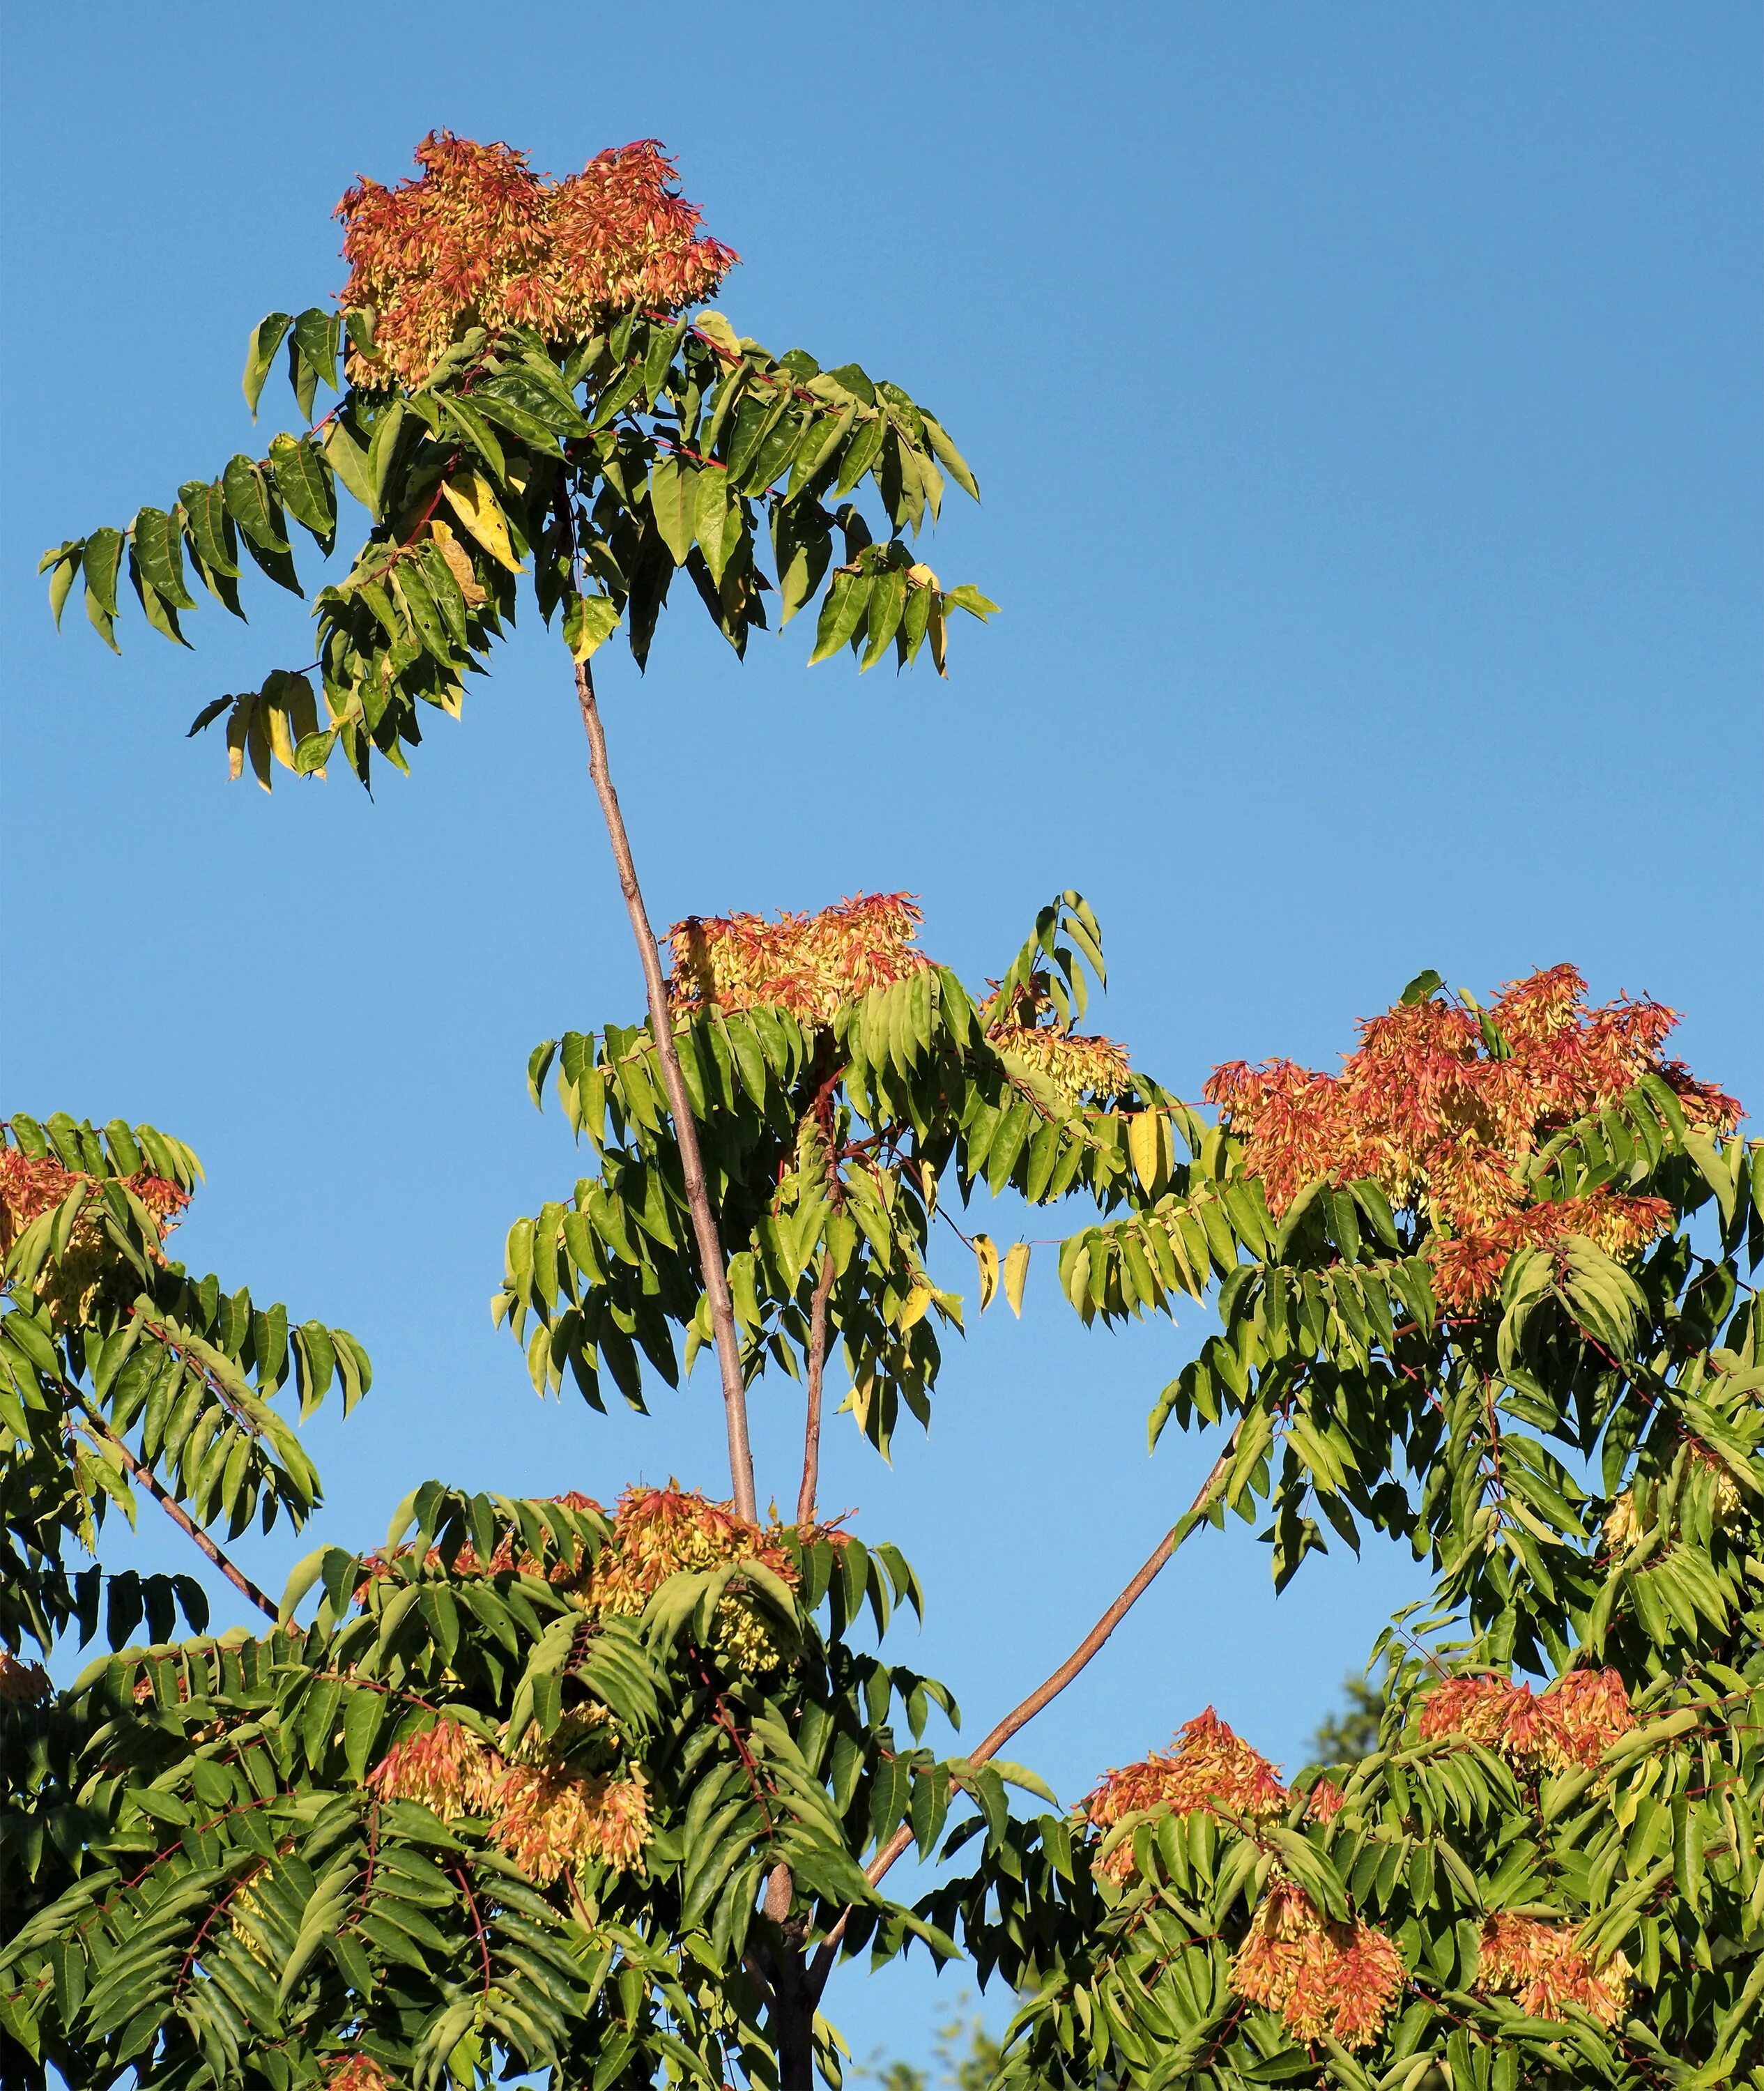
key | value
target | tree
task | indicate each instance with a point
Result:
(1354, 1733)
(1526, 1302)
(481, 300)
(967, 2057)
(608, 1792)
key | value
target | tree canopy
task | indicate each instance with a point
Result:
(604, 1791)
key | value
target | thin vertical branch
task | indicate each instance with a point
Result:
(145, 1478)
(705, 1228)
(818, 1365)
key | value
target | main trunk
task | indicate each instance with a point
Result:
(793, 2018)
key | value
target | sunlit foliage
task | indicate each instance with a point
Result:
(533, 1789)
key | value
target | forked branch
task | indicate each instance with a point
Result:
(705, 1229)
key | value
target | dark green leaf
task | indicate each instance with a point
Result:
(265, 339)
(159, 546)
(303, 479)
(209, 526)
(251, 506)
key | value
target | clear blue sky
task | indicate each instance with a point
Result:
(1367, 400)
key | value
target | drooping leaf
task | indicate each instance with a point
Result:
(266, 338)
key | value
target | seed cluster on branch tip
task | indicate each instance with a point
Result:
(22, 1683)
(1568, 1727)
(1443, 1109)
(448, 1768)
(549, 1820)
(1630, 1517)
(478, 239)
(1324, 1802)
(553, 1802)
(656, 1533)
(810, 965)
(1321, 1976)
(660, 1533)
(91, 1271)
(1077, 1064)
(1210, 1767)
(1540, 1965)
(1340, 1976)
(358, 2072)
(547, 1816)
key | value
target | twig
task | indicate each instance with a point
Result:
(705, 1229)
(817, 1362)
(169, 1504)
(1021, 1715)
(582, 1916)
(458, 1874)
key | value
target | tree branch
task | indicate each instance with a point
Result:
(145, 1478)
(1021, 1715)
(705, 1228)
(817, 1362)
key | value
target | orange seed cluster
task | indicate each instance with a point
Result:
(91, 1269)
(808, 964)
(358, 2072)
(30, 1187)
(1424, 1109)
(1540, 1965)
(1075, 1064)
(1210, 1767)
(1321, 1977)
(23, 1684)
(656, 1533)
(1325, 1802)
(546, 1816)
(450, 1770)
(660, 1533)
(811, 965)
(477, 238)
(548, 1819)
(1568, 1726)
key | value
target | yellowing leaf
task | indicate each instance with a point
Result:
(1145, 1148)
(238, 723)
(715, 327)
(281, 739)
(917, 1301)
(588, 621)
(1017, 1270)
(473, 502)
(937, 633)
(459, 563)
(986, 1256)
(289, 712)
